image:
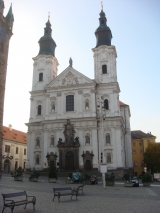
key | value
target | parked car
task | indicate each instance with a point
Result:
(77, 177)
(135, 181)
(93, 179)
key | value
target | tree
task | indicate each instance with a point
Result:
(152, 157)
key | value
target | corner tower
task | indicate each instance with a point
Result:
(45, 63)
(6, 24)
(104, 53)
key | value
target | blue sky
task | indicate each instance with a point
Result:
(136, 35)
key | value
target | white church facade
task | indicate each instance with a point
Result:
(76, 123)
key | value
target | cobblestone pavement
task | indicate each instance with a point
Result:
(117, 199)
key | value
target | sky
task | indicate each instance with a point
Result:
(135, 26)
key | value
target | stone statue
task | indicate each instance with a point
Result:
(70, 62)
(69, 133)
(76, 141)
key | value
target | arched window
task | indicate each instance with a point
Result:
(70, 103)
(106, 105)
(86, 104)
(41, 76)
(39, 109)
(104, 69)
(52, 140)
(87, 139)
(107, 138)
(37, 142)
(108, 158)
(53, 107)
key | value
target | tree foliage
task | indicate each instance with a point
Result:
(152, 157)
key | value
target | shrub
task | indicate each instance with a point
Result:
(126, 177)
(147, 178)
(35, 174)
(110, 177)
(18, 172)
(53, 172)
(70, 175)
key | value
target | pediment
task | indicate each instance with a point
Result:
(69, 77)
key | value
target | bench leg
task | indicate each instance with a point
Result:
(25, 206)
(3, 210)
(58, 198)
(34, 205)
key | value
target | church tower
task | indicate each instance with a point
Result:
(104, 53)
(45, 63)
(6, 25)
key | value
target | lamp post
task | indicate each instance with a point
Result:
(101, 115)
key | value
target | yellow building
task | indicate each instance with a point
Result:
(140, 141)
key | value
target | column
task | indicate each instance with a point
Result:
(47, 107)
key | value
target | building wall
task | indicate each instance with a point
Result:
(19, 157)
(138, 148)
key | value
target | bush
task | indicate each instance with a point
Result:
(53, 172)
(18, 172)
(126, 177)
(110, 177)
(147, 178)
(35, 174)
(70, 175)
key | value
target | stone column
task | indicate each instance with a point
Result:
(93, 104)
(58, 104)
(80, 92)
(45, 148)
(47, 107)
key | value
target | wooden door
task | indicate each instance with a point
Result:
(88, 165)
(69, 161)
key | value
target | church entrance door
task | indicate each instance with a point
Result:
(6, 166)
(88, 165)
(69, 161)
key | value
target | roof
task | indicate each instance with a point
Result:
(122, 104)
(138, 134)
(14, 135)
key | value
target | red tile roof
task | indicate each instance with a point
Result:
(14, 135)
(122, 104)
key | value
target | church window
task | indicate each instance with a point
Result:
(39, 109)
(41, 76)
(70, 103)
(87, 139)
(87, 104)
(107, 138)
(52, 140)
(104, 69)
(37, 142)
(108, 158)
(106, 105)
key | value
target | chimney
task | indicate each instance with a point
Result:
(10, 127)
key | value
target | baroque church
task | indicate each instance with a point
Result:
(75, 122)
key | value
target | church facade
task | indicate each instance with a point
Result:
(77, 123)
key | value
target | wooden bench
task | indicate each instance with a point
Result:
(79, 188)
(58, 192)
(23, 200)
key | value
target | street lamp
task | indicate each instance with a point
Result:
(145, 169)
(101, 115)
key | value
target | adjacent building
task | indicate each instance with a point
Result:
(77, 122)
(140, 141)
(14, 149)
(6, 24)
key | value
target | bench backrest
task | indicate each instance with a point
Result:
(16, 194)
(62, 189)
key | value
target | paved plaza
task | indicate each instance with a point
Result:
(117, 199)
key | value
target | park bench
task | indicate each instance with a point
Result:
(21, 200)
(79, 188)
(65, 191)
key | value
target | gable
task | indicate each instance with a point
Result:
(69, 77)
